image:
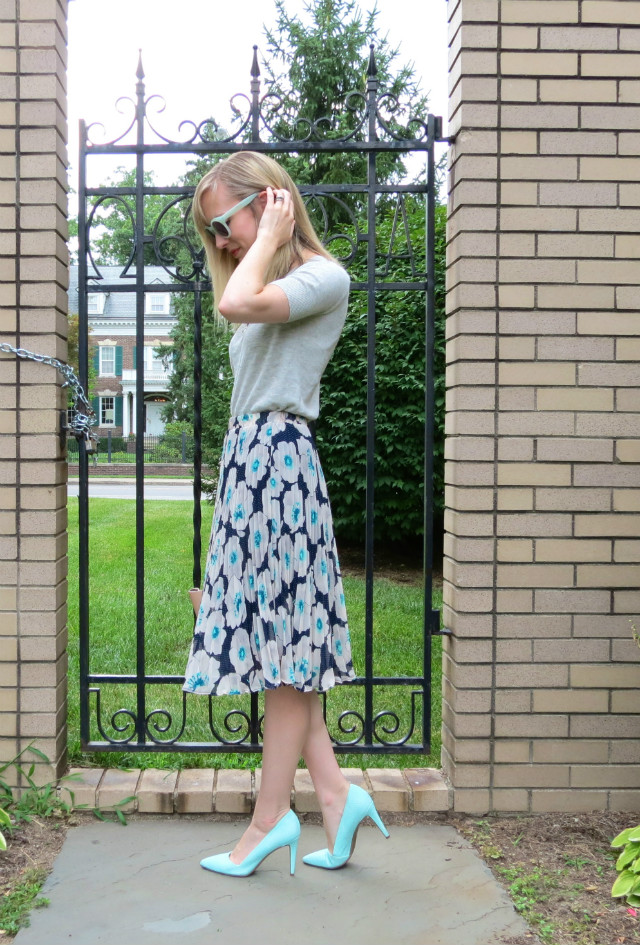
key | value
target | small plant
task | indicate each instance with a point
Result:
(5, 820)
(627, 884)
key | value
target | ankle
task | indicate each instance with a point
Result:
(266, 822)
(335, 798)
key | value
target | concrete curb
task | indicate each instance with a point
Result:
(210, 790)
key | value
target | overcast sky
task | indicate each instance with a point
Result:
(197, 54)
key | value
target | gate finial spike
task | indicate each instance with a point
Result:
(373, 69)
(140, 70)
(255, 68)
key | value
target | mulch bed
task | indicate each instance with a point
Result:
(559, 869)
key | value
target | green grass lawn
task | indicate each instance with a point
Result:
(169, 626)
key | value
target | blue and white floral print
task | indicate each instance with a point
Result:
(273, 609)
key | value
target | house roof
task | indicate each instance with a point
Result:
(119, 305)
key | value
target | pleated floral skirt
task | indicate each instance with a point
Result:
(273, 609)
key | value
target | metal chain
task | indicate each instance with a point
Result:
(83, 415)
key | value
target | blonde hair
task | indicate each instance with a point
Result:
(242, 174)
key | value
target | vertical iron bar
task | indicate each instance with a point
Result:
(372, 88)
(255, 137)
(83, 459)
(255, 97)
(139, 250)
(429, 413)
(197, 434)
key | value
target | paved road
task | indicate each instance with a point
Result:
(171, 489)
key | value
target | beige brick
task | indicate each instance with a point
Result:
(608, 575)
(626, 500)
(470, 801)
(606, 775)
(570, 244)
(578, 450)
(514, 651)
(541, 169)
(624, 800)
(518, 90)
(572, 800)
(627, 700)
(531, 775)
(541, 63)
(155, 791)
(578, 195)
(512, 601)
(83, 784)
(194, 790)
(575, 296)
(610, 11)
(512, 750)
(578, 142)
(533, 524)
(620, 424)
(578, 38)
(626, 602)
(546, 115)
(628, 297)
(628, 349)
(516, 549)
(605, 677)
(613, 64)
(626, 550)
(527, 675)
(578, 90)
(515, 448)
(592, 323)
(540, 11)
(509, 800)
(534, 625)
(536, 373)
(428, 789)
(610, 270)
(532, 726)
(576, 750)
(619, 221)
(519, 37)
(568, 549)
(534, 474)
(572, 601)
(569, 700)
(534, 575)
(115, 787)
(518, 193)
(548, 219)
(233, 791)
(390, 790)
(516, 296)
(515, 500)
(628, 451)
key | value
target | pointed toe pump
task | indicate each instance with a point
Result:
(358, 806)
(285, 834)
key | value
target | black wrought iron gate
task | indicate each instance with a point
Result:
(137, 721)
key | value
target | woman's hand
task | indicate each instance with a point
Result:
(277, 222)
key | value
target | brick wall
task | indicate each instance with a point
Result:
(33, 273)
(541, 699)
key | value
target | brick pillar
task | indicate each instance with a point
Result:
(541, 706)
(33, 280)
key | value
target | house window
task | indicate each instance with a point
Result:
(107, 360)
(152, 363)
(95, 303)
(158, 303)
(107, 412)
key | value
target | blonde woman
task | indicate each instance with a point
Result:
(273, 616)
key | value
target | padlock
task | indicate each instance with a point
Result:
(89, 442)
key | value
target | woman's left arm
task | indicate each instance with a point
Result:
(246, 298)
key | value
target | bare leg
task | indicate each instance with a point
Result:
(330, 784)
(287, 714)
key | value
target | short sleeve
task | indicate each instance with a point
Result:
(315, 288)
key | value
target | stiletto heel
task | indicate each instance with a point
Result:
(358, 806)
(293, 849)
(285, 834)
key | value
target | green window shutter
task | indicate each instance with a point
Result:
(96, 360)
(134, 357)
(118, 411)
(118, 360)
(95, 403)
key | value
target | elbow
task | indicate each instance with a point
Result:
(229, 310)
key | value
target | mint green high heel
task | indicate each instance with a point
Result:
(285, 834)
(358, 806)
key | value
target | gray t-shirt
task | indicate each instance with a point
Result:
(278, 366)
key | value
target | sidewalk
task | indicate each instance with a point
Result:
(142, 885)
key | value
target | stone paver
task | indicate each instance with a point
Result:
(389, 789)
(428, 788)
(83, 786)
(142, 885)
